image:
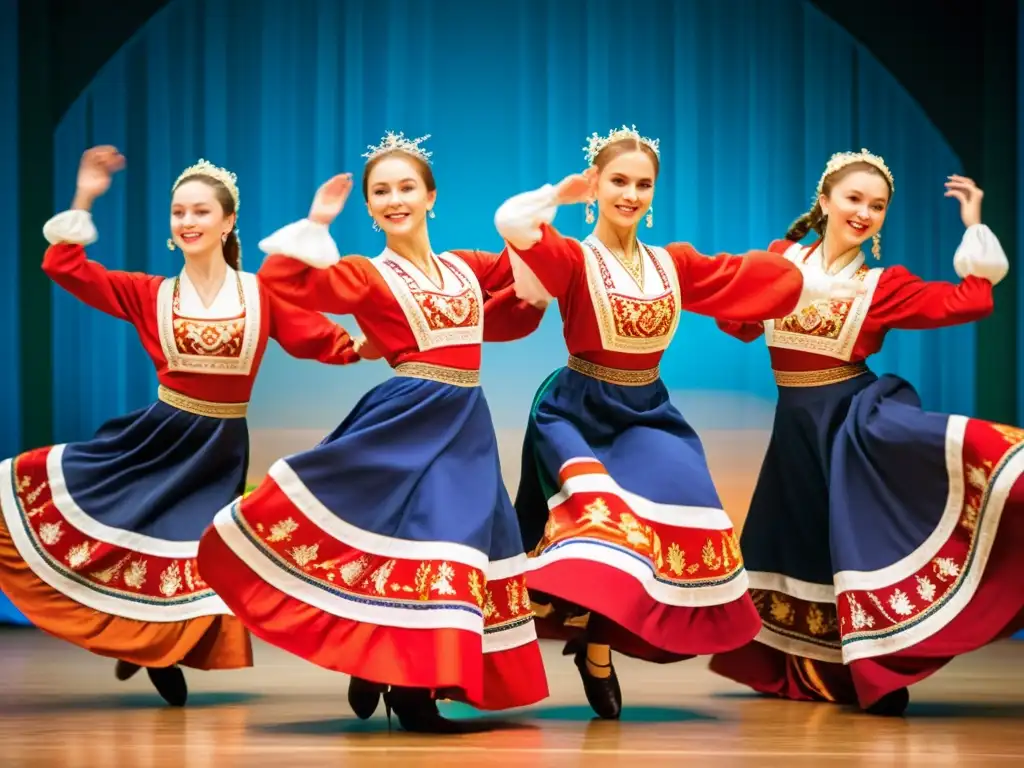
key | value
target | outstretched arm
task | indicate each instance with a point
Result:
(309, 335)
(508, 318)
(757, 285)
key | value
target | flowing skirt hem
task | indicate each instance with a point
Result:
(634, 623)
(205, 642)
(435, 658)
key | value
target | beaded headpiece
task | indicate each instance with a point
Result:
(397, 142)
(843, 159)
(596, 143)
(223, 175)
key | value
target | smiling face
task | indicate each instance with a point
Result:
(856, 203)
(627, 171)
(198, 219)
(400, 191)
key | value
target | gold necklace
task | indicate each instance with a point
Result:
(634, 268)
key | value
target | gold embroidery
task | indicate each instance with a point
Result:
(109, 574)
(305, 554)
(50, 533)
(512, 592)
(818, 623)
(201, 407)
(782, 610)
(676, 559)
(458, 377)
(442, 582)
(629, 322)
(135, 576)
(710, 556)
(80, 554)
(820, 378)
(476, 589)
(283, 530)
(170, 580)
(1012, 435)
(626, 378)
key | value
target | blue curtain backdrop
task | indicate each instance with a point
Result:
(748, 98)
(10, 342)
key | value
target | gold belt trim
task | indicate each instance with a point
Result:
(819, 378)
(614, 375)
(201, 407)
(455, 376)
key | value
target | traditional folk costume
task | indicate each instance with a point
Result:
(616, 503)
(98, 539)
(390, 552)
(882, 539)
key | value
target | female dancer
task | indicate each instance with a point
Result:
(872, 534)
(98, 539)
(390, 552)
(659, 573)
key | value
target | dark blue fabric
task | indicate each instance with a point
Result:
(159, 471)
(854, 479)
(643, 442)
(416, 460)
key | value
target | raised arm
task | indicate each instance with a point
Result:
(304, 268)
(120, 294)
(754, 286)
(904, 300)
(543, 262)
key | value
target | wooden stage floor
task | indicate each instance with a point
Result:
(60, 706)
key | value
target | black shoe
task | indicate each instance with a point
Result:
(170, 684)
(603, 693)
(891, 705)
(417, 711)
(124, 670)
(364, 696)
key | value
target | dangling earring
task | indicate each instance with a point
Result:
(876, 245)
(376, 228)
(431, 214)
(650, 217)
(170, 244)
(590, 213)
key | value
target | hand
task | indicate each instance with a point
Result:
(330, 199)
(969, 195)
(577, 188)
(95, 171)
(365, 349)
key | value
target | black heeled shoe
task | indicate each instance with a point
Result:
(603, 693)
(364, 696)
(125, 670)
(417, 711)
(891, 705)
(170, 684)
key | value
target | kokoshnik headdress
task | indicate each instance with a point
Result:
(393, 142)
(839, 161)
(225, 177)
(596, 143)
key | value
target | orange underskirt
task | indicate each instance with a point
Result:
(207, 642)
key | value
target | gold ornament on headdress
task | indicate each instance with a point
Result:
(393, 142)
(843, 159)
(596, 143)
(206, 168)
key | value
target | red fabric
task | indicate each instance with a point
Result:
(901, 300)
(132, 296)
(754, 285)
(447, 659)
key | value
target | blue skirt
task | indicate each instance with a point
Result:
(879, 532)
(626, 530)
(112, 525)
(390, 551)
